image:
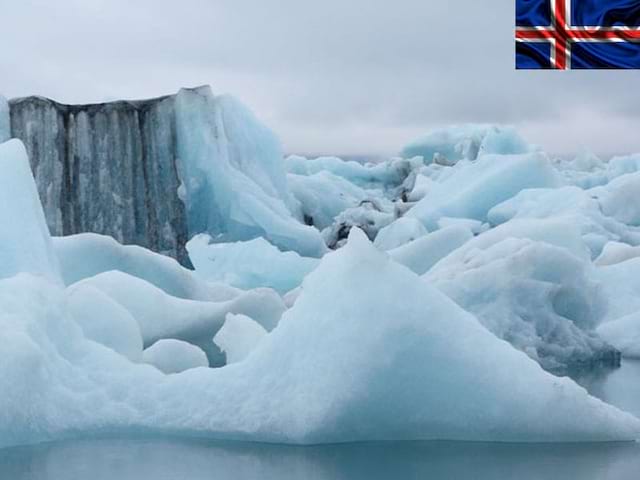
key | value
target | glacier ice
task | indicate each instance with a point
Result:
(105, 321)
(238, 337)
(454, 279)
(401, 231)
(370, 217)
(106, 168)
(423, 369)
(624, 334)
(617, 252)
(471, 190)
(621, 284)
(155, 172)
(88, 254)
(233, 178)
(162, 316)
(247, 265)
(620, 199)
(423, 253)
(383, 175)
(174, 356)
(446, 146)
(538, 297)
(25, 243)
(5, 120)
(323, 196)
(581, 208)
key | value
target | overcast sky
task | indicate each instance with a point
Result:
(328, 76)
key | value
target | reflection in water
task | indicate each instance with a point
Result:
(194, 459)
(159, 459)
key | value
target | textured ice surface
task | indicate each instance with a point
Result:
(370, 217)
(238, 337)
(447, 146)
(105, 321)
(476, 226)
(174, 356)
(383, 175)
(616, 252)
(5, 120)
(252, 264)
(126, 169)
(401, 231)
(621, 284)
(323, 196)
(25, 244)
(538, 297)
(624, 334)
(470, 190)
(234, 182)
(87, 254)
(577, 207)
(162, 316)
(106, 168)
(423, 253)
(620, 199)
(423, 369)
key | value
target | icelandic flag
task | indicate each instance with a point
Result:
(577, 34)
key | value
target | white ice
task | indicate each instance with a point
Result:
(449, 145)
(25, 243)
(470, 190)
(401, 231)
(233, 178)
(238, 337)
(423, 369)
(247, 265)
(540, 298)
(174, 356)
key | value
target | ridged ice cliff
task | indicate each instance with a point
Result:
(155, 172)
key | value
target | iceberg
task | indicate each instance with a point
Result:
(248, 265)
(624, 334)
(621, 285)
(25, 243)
(156, 172)
(106, 168)
(238, 337)
(538, 297)
(161, 316)
(472, 190)
(383, 175)
(616, 252)
(423, 253)
(105, 321)
(5, 120)
(401, 231)
(233, 180)
(423, 369)
(447, 146)
(370, 217)
(88, 254)
(174, 356)
(620, 199)
(578, 207)
(323, 196)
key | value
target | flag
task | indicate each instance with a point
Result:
(577, 34)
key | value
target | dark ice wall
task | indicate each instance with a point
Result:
(107, 168)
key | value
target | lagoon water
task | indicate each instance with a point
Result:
(194, 459)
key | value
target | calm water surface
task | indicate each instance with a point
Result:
(176, 459)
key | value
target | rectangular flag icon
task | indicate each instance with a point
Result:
(577, 34)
